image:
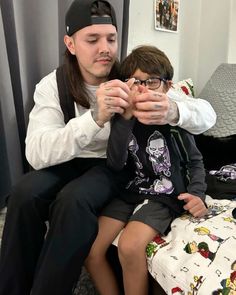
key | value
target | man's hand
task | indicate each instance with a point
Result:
(112, 97)
(194, 204)
(128, 112)
(155, 108)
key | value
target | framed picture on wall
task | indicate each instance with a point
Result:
(166, 13)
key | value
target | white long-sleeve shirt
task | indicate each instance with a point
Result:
(50, 141)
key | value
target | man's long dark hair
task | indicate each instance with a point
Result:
(74, 76)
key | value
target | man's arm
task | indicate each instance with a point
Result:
(50, 141)
(192, 114)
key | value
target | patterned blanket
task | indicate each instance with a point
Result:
(198, 256)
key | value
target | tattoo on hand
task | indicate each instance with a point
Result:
(95, 114)
(108, 101)
(157, 94)
(173, 113)
(154, 116)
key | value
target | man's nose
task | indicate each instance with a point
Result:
(104, 47)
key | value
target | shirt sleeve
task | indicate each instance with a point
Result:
(120, 135)
(49, 140)
(195, 166)
(196, 115)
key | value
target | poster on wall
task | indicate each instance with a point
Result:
(166, 13)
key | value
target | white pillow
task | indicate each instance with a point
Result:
(185, 86)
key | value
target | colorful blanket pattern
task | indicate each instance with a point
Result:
(198, 256)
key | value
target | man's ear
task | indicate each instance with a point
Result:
(70, 44)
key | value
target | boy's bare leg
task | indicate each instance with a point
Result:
(96, 263)
(132, 254)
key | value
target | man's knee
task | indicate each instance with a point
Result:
(34, 190)
(21, 193)
(85, 192)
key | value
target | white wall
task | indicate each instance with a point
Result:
(206, 36)
(232, 34)
(141, 31)
(214, 38)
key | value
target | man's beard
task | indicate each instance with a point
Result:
(104, 73)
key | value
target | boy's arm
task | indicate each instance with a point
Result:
(195, 195)
(194, 164)
(120, 135)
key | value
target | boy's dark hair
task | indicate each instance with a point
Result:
(148, 59)
(74, 76)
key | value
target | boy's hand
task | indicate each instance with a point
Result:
(194, 204)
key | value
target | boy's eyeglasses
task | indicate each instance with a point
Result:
(152, 83)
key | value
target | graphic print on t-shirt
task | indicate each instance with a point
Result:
(157, 156)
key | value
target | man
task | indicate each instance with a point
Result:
(70, 184)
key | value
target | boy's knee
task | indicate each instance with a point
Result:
(126, 248)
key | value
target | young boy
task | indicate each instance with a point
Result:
(165, 176)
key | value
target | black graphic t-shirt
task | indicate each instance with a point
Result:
(154, 156)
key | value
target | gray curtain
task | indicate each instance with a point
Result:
(31, 38)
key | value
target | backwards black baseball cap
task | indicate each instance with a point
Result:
(79, 16)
